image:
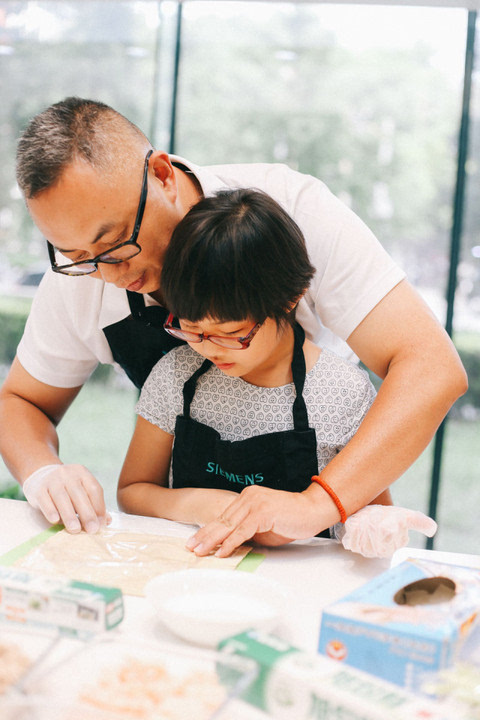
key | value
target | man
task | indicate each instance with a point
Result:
(107, 204)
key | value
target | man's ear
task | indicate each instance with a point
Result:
(164, 172)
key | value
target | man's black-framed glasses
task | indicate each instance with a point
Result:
(117, 254)
(232, 343)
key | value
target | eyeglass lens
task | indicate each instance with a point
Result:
(116, 255)
(226, 342)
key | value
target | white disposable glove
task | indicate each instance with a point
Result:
(69, 494)
(379, 530)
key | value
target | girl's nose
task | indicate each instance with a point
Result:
(208, 349)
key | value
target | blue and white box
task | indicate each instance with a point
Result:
(411, 619)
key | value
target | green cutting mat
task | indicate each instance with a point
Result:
(248, 564)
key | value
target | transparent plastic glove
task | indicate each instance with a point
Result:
(379, 530)
(69, 494)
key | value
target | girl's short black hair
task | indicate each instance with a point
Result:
(235, 255)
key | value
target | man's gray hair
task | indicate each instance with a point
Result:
(72, 129)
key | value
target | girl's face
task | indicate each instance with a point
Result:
(266, 358)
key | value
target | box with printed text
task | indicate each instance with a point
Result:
(412, 618)
(66, 605)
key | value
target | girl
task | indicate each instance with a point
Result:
(235, 426)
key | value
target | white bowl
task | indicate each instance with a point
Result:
(206, 606)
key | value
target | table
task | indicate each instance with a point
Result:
(315, 572)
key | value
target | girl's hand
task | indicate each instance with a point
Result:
(271, 516)
(209, 503)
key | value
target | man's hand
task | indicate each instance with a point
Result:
(69, 494)
(379, 530)
(271, 516)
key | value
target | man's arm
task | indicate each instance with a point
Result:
(29, 413)
(401, 341)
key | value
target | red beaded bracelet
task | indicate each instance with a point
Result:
(333, 495)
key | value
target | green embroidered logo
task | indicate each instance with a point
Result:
(233, 477)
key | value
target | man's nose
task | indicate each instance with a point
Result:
(110, 272)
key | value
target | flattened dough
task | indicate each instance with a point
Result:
(119, 558)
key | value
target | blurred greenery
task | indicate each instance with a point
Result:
(13, 314)
(332, 112)
(96, 432)
(459, 498)
(377, 123)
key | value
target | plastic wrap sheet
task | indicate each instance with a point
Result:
(123, 559)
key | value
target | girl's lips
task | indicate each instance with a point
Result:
(224, 366)
(137, 285)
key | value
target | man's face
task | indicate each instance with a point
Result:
(86, 214)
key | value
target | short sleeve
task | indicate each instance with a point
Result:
(161, 399)
(52, 348)
(353, 271)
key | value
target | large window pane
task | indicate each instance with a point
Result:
(460, 489)
(366, 98)
(48, 50)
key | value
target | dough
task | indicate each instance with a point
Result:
(119, 558)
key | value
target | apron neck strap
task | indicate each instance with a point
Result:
(299, 371)
(191, 384)
(151, 315)
(136, 302)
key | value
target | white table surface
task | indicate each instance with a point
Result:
(314, 572)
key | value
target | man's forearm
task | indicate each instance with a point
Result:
(28, 438)
(29, 413)
(410, 405)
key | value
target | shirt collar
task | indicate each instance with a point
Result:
(209, 182)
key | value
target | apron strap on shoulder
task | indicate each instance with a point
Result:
(299, 370)
(191, 384)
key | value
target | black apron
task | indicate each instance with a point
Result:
(138, 341)
(281, 460)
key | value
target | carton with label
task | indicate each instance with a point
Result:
(294, 685)
(412, 618)
(67, 605)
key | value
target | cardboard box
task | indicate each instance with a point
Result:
(294, 685)
(412, 618)
(67, 605)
